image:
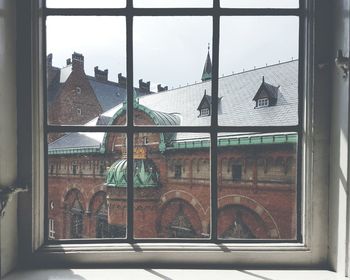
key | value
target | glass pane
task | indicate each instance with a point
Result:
(258, 83)
(171, 185)
(259, 3)
(173, 3)
(85, 3)
(86, 189)
(172, 70)
(85, 67)
(257, 179)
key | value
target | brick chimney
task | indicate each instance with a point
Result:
(77, 61)
(68, 61)
(49, 61)
(160, 88)
(144, 86)
(121, 80)
(101, 75)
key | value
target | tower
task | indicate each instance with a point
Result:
(207, 67)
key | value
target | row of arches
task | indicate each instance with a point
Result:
(80, 222)
(179, 215)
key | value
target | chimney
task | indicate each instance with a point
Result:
(121, 80)
(160, 88)
(68, 61)
(101, 75)
(77, 61)
(49, 60)
(144, 86)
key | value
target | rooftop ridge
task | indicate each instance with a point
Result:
(230, 75)
(102, 81)
(259, 68)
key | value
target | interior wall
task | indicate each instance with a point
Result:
(339, 142)
(8, 132)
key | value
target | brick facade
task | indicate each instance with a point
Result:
(259, 203)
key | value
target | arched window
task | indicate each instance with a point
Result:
(76, 217)
(102, 227)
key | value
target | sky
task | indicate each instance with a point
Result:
(172, 50)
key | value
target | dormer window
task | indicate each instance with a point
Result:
(204, 107)
(263, 102)
(266, 95)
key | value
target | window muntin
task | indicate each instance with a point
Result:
(212, 131)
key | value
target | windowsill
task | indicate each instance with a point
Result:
(148, 273)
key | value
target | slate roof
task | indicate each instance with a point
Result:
(77, 140)
(237, 107)
(108, 94)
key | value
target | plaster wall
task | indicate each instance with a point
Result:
(338, 219)
(8, 132)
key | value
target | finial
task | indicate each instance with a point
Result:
(208, 47)
(263, 78)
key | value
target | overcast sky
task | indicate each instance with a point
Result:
(172, 50)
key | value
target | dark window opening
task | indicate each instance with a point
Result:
(178, 171)
(236, 172)
(74, 168)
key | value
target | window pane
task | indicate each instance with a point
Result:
(86, 185)
(85, 3)
(171, 185)
(85, 67)
(172, 70)
(259, 3)
(173, 3)
(257, 179)
(258, 61)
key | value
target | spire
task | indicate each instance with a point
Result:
(207, 67)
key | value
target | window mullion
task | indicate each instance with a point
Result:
(130, 124)
(214, 123)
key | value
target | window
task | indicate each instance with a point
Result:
(220, 135)
(74, 168)
(51, 228)
(264, 102)
(236, 172)
(178, 171)
(140, 144)
(205, 112)
(78, 90)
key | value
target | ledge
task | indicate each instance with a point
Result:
(170, 274)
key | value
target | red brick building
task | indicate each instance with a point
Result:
(256, 172)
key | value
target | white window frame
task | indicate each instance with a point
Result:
(311, 252)
(263, 102)
(205, 112)
(52, 228)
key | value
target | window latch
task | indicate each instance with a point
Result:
(6, 194)
(342, 62)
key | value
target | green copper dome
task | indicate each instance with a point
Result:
(145, 174)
